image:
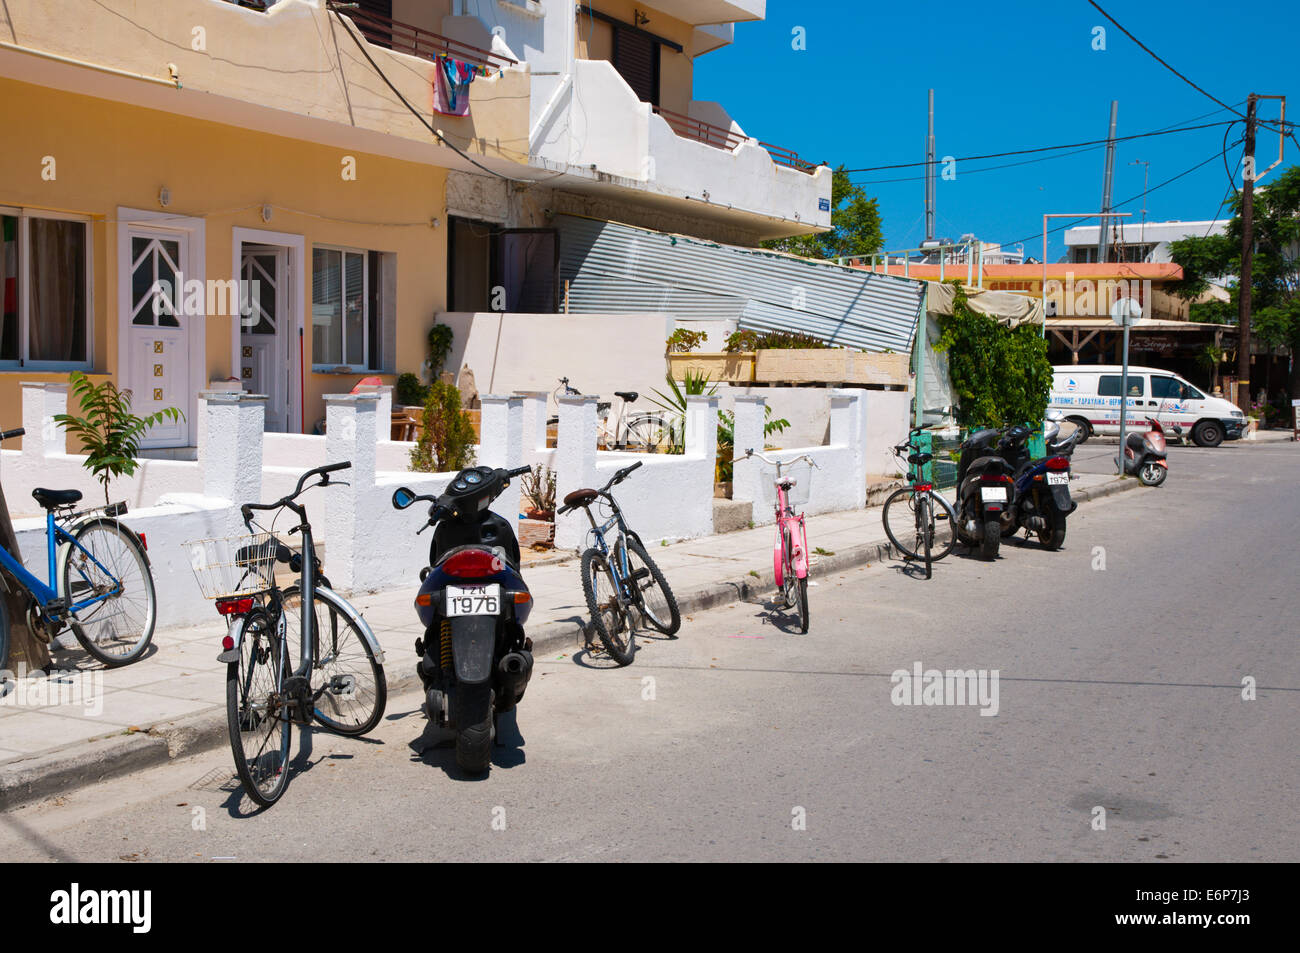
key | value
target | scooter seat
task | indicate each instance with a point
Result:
(52, 498)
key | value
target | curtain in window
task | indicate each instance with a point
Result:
(326, 306)
(9, 335)
(57, 331)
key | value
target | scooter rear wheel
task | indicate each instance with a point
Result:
(474, 728)
(991, 539)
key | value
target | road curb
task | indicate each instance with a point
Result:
(58, 772)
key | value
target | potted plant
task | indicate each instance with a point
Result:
(538, 529)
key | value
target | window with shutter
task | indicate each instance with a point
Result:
(636, 57)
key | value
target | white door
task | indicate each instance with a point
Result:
(265, 329)
(157, 330)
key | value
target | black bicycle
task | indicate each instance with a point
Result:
(918, 521)
(621, 582)
(337, 679)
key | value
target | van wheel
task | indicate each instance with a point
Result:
(1085, 428)
(1208, 433)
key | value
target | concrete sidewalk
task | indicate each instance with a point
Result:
(78, 728)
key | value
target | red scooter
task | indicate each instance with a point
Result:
(1145, 454)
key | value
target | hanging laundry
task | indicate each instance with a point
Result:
(451, 86)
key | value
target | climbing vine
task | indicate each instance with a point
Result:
(1000, 375)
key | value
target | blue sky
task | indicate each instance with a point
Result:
(1011, 75)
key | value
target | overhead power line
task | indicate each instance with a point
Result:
(1064, 145)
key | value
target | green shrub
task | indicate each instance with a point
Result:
(410, 392)
(447, 434)
(1000, 376)
(682, 341)
(440, 337)
(772, 340)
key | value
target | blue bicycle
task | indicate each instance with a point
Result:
(100, 581)
(622, 582)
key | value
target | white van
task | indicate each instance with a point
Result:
(1088, 395)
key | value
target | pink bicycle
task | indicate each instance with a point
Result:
(784, 488)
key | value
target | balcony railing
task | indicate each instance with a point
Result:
(404, 38)
(722, 138)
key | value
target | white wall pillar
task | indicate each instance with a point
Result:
(534, 419)
(353, 541)
(575, 464)
(849, 429)
(702, 428)
(383, 410)
(231, 459)
(748, 433)
(41, 402)
(501, 444)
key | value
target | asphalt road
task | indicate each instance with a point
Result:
(1118, 688)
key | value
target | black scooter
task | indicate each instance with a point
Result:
(1041, 503)
(985, 488)
(475, 661)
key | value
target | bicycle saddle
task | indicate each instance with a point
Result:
(627, 395)
(919, 458)
(52, 498)
(580, 497)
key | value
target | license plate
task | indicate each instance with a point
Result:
(1058, 479)
(993, 493)
(473, 600)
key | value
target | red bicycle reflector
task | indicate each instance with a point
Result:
(472, 564)
(235, 606)
(1058, 463)
(144, 541)
(227, 643)
(924, 487)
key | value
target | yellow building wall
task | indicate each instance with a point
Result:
(110, 154)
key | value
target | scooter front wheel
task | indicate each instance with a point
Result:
(1152, 474)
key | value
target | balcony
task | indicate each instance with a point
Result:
(292, 68)
(414, 41)
(595, 133)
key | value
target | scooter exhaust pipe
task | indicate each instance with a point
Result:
(515, 669)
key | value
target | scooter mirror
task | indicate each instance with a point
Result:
(402, 498)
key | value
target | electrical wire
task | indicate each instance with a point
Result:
(1153, 55)
(1064, 145)
(1127, 201)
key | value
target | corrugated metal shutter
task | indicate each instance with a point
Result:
(635, 56)
(616, 268)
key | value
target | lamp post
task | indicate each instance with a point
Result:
(1146, 175)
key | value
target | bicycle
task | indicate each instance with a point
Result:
(640, 432)
(926, 510)
(338, 680)
(618, 579)
(111, 611)
(790, 553)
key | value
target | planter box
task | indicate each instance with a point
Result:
(732, 368)
(532, 532)
(828, 366)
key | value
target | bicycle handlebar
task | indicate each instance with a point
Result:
(751, 452)
(323, 472)
(10, 434)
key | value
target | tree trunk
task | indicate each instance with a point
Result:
(24, 647)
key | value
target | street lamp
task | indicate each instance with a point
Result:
(1146, 175)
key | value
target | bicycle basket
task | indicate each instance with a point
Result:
(800, 473)
(233, 565)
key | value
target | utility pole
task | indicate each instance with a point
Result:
(1247, 253)
(1103, 244)
(929, 176)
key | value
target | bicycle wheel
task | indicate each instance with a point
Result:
(260, 732)
(644, 434)
(650, 590)
(4, 634)
(943, 534)
(925, 528)
(117, 629)
(801, 598)
(353, 690)
(608, 615)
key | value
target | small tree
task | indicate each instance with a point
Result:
(447, 433)
(107, 429)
